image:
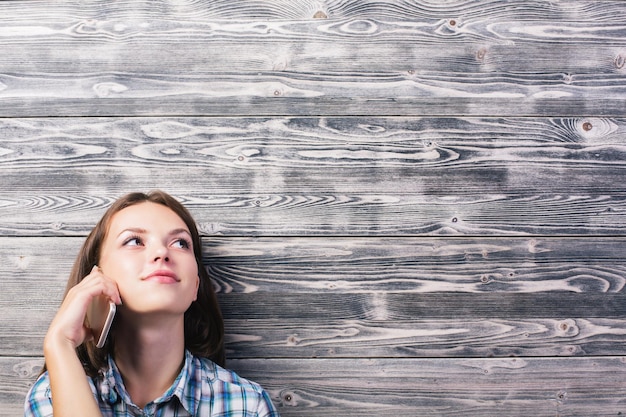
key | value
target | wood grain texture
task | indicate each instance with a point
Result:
(425, 337)
(16, 377)
(373, 58)
(350, 265)
(481, 387)
(409, 387)
(398, 94)
(378, 298)
(362, 176)
(373, 36)
(407, 207)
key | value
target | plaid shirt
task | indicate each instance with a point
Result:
(201, 389)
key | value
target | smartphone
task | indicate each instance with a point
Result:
(100, 317)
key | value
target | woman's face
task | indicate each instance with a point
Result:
(148, 252)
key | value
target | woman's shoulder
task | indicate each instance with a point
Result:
(38, 401)
(224, 390)
(214, 373)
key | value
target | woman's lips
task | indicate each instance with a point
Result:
(162, 276)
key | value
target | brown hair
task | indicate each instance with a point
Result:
(204, 326)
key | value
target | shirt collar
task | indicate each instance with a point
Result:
(186, 387)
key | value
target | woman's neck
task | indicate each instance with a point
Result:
(149, 358)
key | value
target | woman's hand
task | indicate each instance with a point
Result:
(71, 393)
(68, 326)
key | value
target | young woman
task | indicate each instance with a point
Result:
(165, 350)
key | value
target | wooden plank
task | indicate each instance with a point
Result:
(406, 325)
(362, 176)
(440, 93)
(480, 387)
(363, 266)
(249, 10)
(310, 142)
(424, 337)
(373, 35)
(349, 297)
(408, 387)
(391, 60)
(350, 46)
(16, 377)
(407, 306)
(315, 214)
(417, 265)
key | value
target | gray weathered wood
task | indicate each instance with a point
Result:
(408, 207)
(362, 58)
(362, 176)
(474, 387)
(409, 387)
(390, 297)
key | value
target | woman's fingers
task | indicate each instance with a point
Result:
(69, 322)
(110, 287)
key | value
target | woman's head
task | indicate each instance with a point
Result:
(203, 320)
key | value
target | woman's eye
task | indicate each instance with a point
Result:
(182, 244)
(133, 241)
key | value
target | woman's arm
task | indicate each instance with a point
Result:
(71, 393)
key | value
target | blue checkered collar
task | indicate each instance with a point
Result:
(185, 388)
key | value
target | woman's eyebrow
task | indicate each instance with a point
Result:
(137, 230)
(180, 231)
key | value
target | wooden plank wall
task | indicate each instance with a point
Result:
(409, 207)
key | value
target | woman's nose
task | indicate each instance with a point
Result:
(161, 253)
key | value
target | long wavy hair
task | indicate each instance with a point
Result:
(204, 325)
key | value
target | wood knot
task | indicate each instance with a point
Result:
(288, 398)
(587, 126)
(320, 15)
